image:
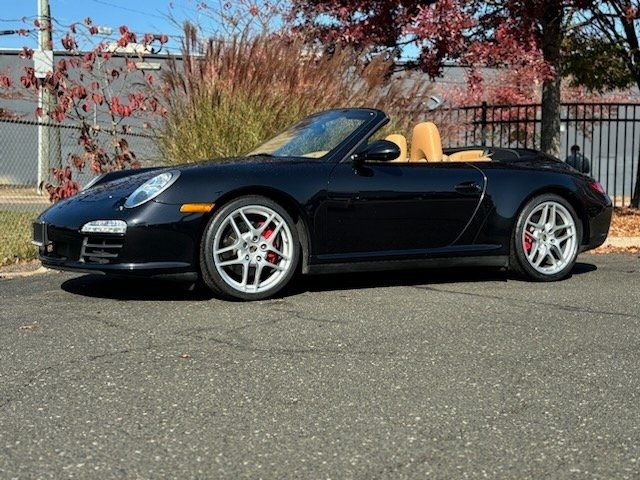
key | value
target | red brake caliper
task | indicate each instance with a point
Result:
(271, 257)
(528, 241)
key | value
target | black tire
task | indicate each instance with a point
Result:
(518, 262)
(210, 275)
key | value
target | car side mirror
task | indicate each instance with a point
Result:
(379, 151)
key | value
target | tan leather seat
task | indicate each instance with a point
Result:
(426, 143)
(469, 156)
(401, 142)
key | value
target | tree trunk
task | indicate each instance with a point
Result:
(551, 32)
(635, 198)
(550, 130)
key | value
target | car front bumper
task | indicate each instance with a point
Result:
(160, 241)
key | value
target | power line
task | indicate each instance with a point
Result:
(15, 32)
(133, 10)
(15, 20)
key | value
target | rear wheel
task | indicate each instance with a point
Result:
(546, 239)
(250, 249)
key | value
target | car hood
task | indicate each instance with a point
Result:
(116, 190)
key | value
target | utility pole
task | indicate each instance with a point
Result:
(43, 62)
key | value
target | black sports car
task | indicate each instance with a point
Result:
(326, 196)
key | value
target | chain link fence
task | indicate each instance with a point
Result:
(23, 174)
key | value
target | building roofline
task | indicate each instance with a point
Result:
(63, 53)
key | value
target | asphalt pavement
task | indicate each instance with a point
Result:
(426, 374)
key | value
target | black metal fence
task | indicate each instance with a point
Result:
(607, 134)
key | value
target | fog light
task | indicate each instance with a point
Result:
(105, 226)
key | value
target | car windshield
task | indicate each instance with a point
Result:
(314, 136)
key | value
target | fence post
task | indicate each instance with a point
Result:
(483, 125)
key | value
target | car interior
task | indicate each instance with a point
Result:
(426, 146)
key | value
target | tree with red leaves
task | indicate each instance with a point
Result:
(86, 85)
(524, 35)
(610, 37)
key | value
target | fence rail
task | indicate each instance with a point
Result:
(607, 134)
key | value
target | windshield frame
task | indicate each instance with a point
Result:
(372, 120)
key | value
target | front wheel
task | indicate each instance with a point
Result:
(546, 239)
(250, 249)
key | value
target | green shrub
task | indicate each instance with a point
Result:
(15, 236)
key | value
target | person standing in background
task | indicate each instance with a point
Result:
(578, 161)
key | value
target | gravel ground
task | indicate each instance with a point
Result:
(429, 374)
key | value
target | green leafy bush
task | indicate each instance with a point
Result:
(15, 236)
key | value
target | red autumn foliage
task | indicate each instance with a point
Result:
(83, 85)
(475, 33)
(65, 186)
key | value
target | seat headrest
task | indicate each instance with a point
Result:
(401, 141)
(426, 143)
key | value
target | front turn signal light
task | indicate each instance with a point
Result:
(197, 207)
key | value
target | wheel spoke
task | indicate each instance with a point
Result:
(226, 249)
(258, 273)
(281, 254)
(558, 250)
(235, 261)
(544, 216)
(541, 256)
(266, 223)
(534, 250)
(234, 225)
(274, 266)
(564, 238)
(275, 232)
(245, 275)
(549, 255)
(246, 221)
(537, 225)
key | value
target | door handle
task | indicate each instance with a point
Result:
(468, 188)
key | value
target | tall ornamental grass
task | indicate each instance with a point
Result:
(225, 97)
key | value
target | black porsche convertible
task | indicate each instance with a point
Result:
(326, 195)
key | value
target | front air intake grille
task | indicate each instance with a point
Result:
(100, 250)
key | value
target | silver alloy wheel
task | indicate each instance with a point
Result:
(253, 249)
(549, 238)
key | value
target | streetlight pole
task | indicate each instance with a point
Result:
(45, 99)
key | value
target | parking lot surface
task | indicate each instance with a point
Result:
(427, 374)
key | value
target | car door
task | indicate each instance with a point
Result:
(390, 209)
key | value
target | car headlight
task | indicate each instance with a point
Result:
(151, 189)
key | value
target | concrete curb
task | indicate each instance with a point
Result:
(29, 273)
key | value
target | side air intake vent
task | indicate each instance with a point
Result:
(100, 250)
